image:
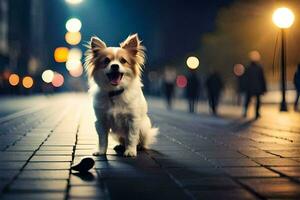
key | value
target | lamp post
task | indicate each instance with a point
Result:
(283, 18)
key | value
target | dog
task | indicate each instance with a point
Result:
(118, 100)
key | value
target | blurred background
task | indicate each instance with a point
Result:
(42, 42)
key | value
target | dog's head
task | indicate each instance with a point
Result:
(115, 67)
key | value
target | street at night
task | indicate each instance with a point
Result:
(196, 156)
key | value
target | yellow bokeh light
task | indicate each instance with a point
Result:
(73, 38)
(192, 62)
(73, 25)
(75, 54)
(74, 2)
(47, 76)
(61, 54)
(27, 82)
(14, 79)
(76, 72)
(73, 64)
(283, 17)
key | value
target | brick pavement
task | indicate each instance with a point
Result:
(196, 157)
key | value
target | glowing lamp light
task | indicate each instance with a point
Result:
(61, 54)
(238, 69)
(75, 54)
(73, 38)
(181, 81)
(27, 82)
(192, 62)
(73, 64)
(47, 76)
(58, 80)
(73, 25)
(74, 2)
(283, 18)
(77, 72)
(14, 79)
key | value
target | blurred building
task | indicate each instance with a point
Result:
(22, 45)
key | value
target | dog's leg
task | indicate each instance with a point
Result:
(131, 140)
(102, 131)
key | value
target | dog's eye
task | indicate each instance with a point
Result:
(106, 61)
(123, 61)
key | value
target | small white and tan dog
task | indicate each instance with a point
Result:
(119, 104)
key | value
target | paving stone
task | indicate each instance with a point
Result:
(35, 196)
(54, 153)
(56, 148)
(44, 174)
(277, 162)
(241, 162)
(274, 187)
(52, 158)
(8, 174)
(11, 165)
(250, 172)
(236, 194)
(82, 179)
(39, 185)
(257, 153)
(88, 192)
(288, 171)
(48, 165)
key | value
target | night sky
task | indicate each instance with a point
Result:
(169, 29)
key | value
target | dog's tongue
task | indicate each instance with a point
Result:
(116, 79)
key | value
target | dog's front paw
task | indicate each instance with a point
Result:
(130, 153)
(99, 153)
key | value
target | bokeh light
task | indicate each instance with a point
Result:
(254, 56)
(73, 25)
(73, 38)
(14, 79)
(181, 81)
(283, 17)
(238, 69)
(74, 2)
(47, 76)
(73, 64)
(192, 62)
(27, 82)
(61, 54)
(75, 54)
(76, 72)
(58, 80)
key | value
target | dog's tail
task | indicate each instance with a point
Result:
(148, 134)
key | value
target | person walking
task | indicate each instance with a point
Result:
(192, 90)
(255, 83)
(169, 85)
(297, 86)
(214, 86)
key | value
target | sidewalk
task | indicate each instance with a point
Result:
(196, 156)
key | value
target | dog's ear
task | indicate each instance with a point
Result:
(97, 44)
(132, 44)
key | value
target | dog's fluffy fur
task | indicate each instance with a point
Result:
(117, 71)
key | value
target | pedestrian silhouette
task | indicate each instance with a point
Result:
(214, 86)
(192, 90)
(255, 85)
(169, 85)
(297, 86)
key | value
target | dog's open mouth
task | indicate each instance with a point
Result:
(115, 77)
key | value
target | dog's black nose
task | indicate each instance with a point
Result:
(114, 67)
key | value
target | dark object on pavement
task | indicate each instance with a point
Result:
(84, 165)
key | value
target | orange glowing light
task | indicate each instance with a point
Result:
(73, 38)
(58, 80)
(14, 79)
(181, 81)
(61, 54)
(27, 82)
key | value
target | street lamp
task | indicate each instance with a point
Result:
(283, 18)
